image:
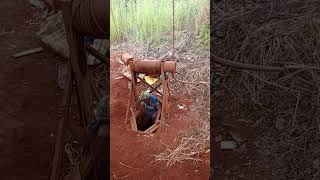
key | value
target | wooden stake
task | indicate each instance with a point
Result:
(134, 122)
(28, 52)
(153, 129)
(78, 63)
(56, 164)
(128, 106)
(134, 84)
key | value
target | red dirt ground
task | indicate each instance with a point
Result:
(28, 97)
(131, 152)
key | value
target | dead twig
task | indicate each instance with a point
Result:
(240, 65)
(130, 166)
(28, 52)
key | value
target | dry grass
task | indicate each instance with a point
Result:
(192, 67)
(191, 146)
(274, 33)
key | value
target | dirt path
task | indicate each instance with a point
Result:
(28, 97)
(131, 153)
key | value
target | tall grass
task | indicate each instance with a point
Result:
(141, 20)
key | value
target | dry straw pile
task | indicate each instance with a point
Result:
(284, 34)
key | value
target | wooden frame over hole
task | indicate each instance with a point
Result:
(152, 129)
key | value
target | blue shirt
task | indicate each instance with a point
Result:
(152, 108)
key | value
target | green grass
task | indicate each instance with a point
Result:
(141, 20)
(203, 38)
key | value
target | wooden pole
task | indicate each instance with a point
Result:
(79, 64)
(128, 106)
(56, 164)
(134, 85)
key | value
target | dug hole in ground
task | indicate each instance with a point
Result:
(136, 155)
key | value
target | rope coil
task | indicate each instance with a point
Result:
(90, 17)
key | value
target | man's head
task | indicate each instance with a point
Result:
(144, 95)
(147, 100)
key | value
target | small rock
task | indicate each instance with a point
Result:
(228, 145)
(182, 106)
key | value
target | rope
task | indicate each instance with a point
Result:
(188, 82)
(87, 16)
(240, 65)
(173, 35)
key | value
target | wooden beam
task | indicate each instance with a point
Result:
(153, 88)
(28, 52)
(128, 106)
(79, 64)
(134, 122)
(153, 129)
(97, 54)
(56, 164)
(134, 84)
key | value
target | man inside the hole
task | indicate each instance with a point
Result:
(149, 106)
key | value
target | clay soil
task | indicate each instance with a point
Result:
(28, 96)
(131, 153)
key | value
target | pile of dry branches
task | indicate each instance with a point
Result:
(192, 144)
(279, 34)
